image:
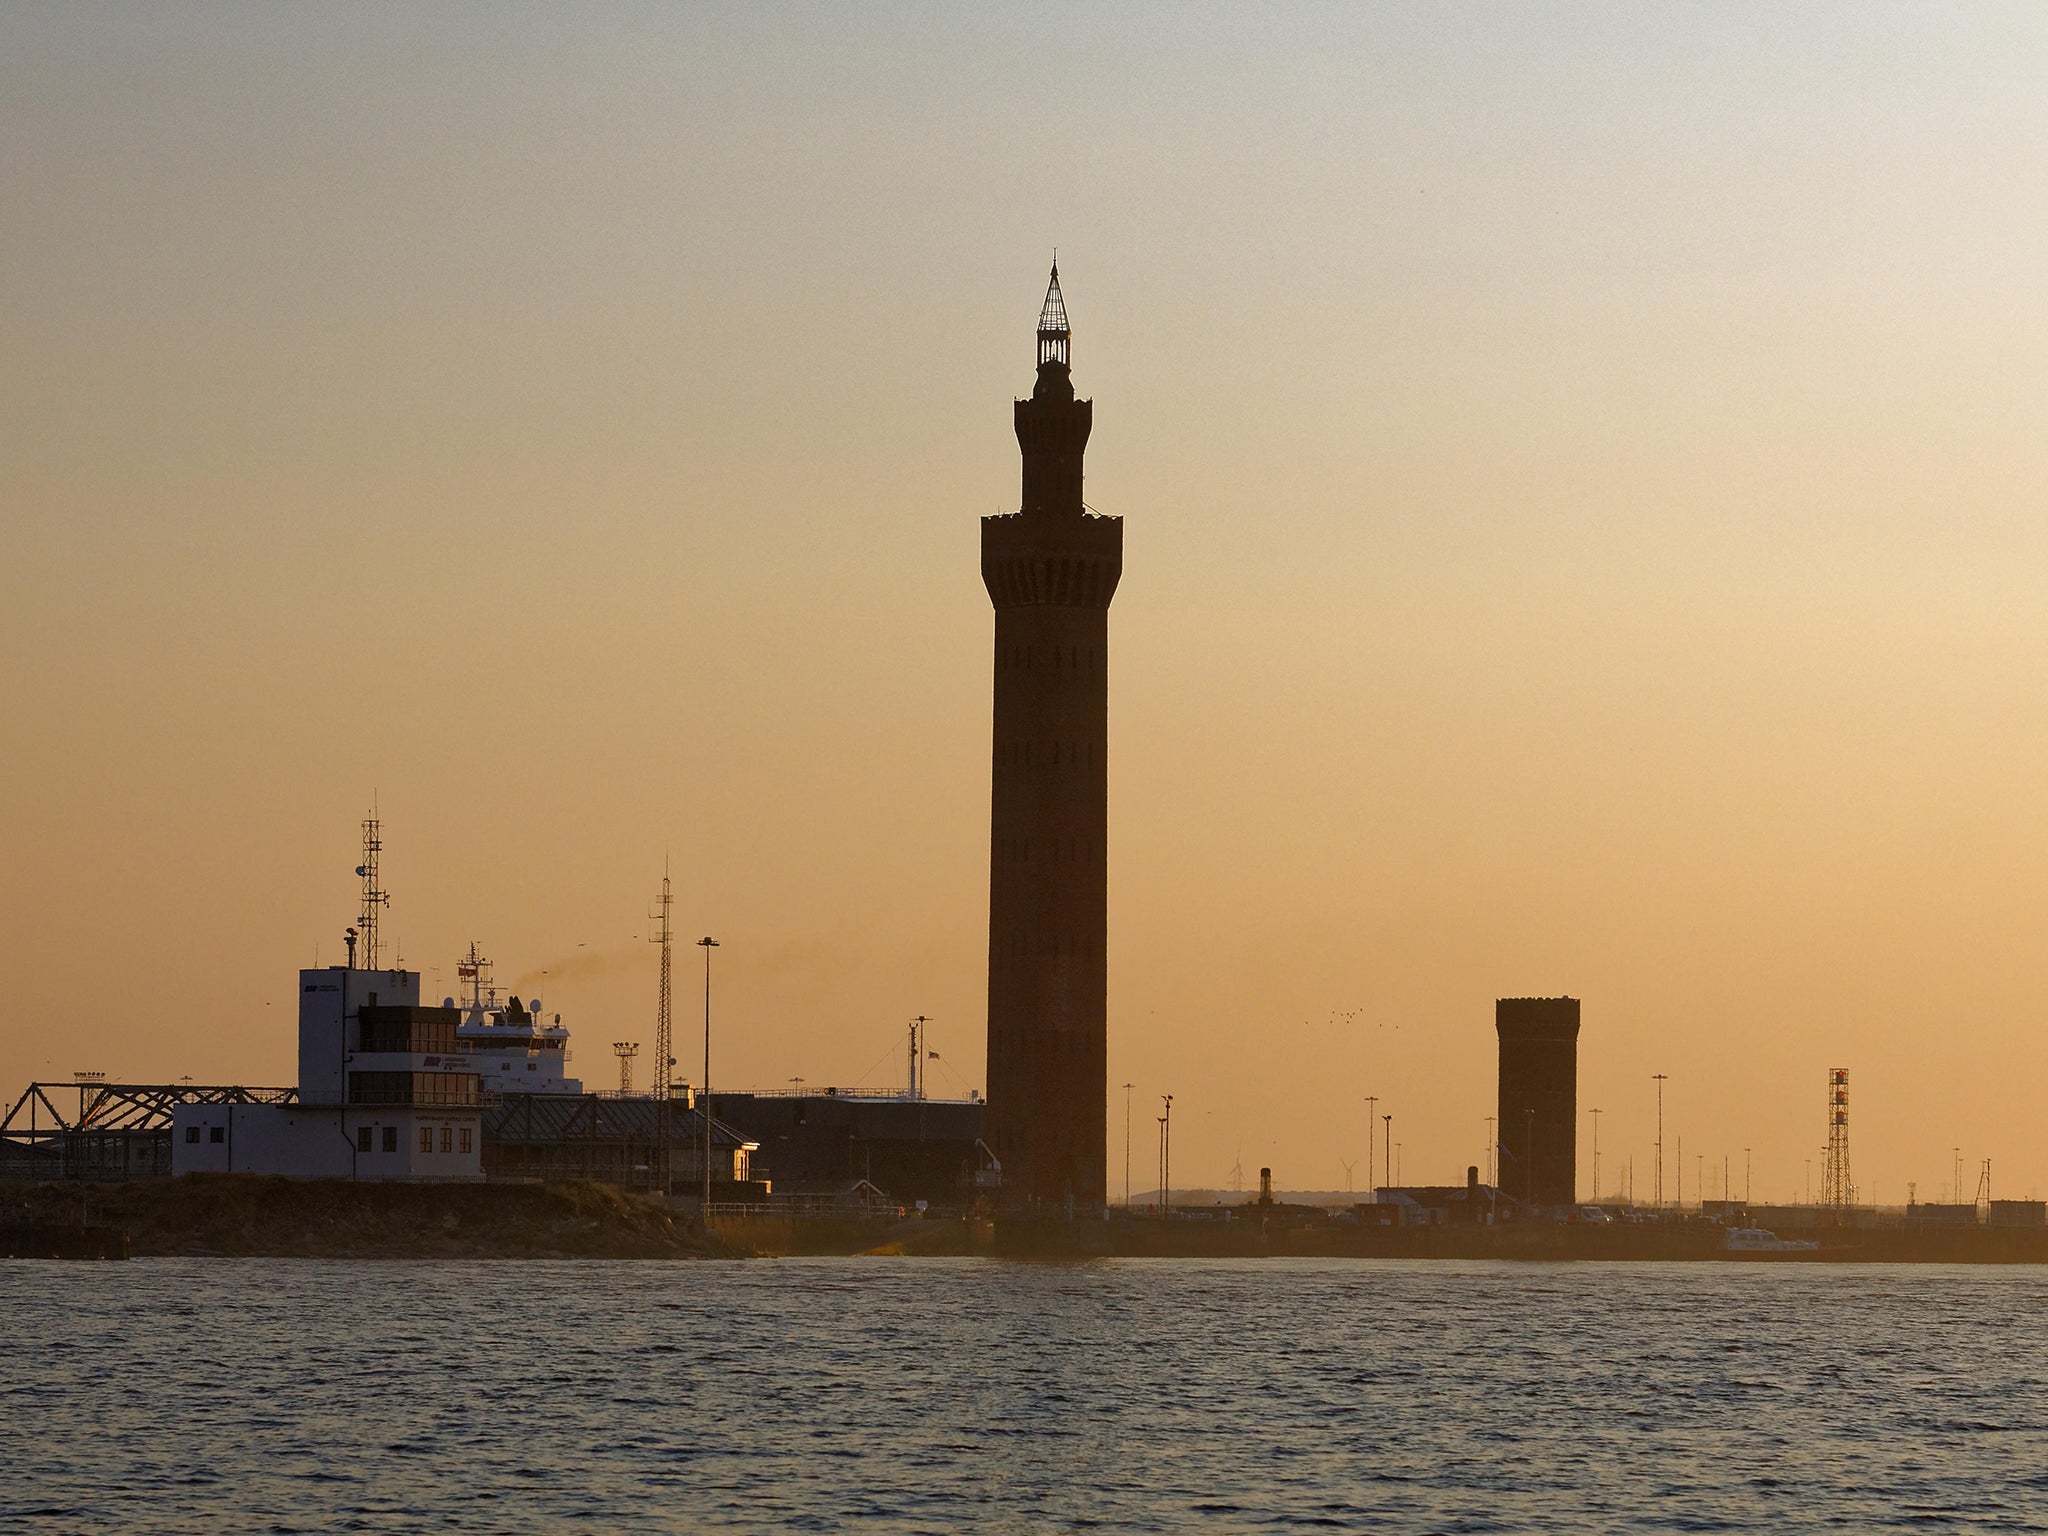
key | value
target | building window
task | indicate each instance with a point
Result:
(465, 1138)
(191, 1133)
(414, 1088)
(409, 1030)
(447, 1139)
(426, 1138)
(362, 1138)
(390, 1138)
(220, 1133)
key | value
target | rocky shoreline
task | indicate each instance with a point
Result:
(249, 1216)
(246, 1216)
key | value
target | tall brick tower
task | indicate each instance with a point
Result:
(1050, 568)
(1539, 1097)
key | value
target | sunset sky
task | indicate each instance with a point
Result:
(1585, 481)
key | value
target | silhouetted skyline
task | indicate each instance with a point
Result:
(1582, 467)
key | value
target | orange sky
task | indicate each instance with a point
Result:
(1583, 471)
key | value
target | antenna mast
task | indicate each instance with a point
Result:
(375, 897)
(1836, 1189)
(664, 1055)
(476, 970)
(917, 1047)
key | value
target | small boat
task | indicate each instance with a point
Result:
(1758, 1240)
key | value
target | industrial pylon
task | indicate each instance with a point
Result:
(1836, 1189)
(663, 934)
(625, 1050)
(1983, 1202)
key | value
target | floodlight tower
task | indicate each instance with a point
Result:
(1835, 1184)
(625, 1050)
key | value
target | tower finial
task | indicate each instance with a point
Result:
(1053, 332)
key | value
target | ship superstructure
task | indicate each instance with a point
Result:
(512, 1046)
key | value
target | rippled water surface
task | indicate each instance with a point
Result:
(933, 1395)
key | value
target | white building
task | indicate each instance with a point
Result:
(387, 1090)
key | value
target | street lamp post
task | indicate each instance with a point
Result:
(1372, 1103)
(1660, 1077)
(1596, 1154)
(1389, 1120)
(1127, 1146)
(1166, 1154)
(707, 944)
(1529, 1157)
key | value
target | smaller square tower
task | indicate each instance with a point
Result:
(1539, 1098)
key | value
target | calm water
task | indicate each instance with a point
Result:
(889, 1395)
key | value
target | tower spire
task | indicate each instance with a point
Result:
(1053, 333)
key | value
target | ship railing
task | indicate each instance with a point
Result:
(843, 1093)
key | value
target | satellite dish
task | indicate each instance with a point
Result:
(362, 869)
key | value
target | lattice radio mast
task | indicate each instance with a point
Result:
(375, 897)
(1836, 1188)
(663, 934)
(625, 1050)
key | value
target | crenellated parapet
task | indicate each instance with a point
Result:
(1029, 561)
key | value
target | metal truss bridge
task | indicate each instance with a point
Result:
(89, 1128)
